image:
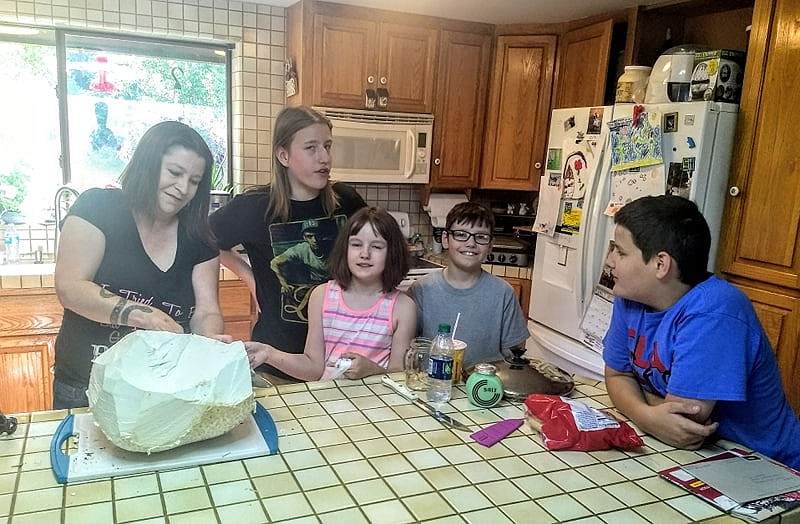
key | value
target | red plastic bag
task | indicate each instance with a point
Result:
(569, 424)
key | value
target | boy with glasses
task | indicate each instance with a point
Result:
(491, 318)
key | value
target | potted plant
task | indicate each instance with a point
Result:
(13, 188)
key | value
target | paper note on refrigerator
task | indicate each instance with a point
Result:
(635, 143)
(597, 318)
(628, 185)
(549, 203)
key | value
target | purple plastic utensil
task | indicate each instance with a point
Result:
(496, 432)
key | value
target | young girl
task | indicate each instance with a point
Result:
(359, 315)
(287, 228)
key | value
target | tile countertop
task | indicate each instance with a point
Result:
(355, 451)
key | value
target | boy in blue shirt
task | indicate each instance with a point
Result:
(686, 356)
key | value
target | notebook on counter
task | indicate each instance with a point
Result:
(742, 483)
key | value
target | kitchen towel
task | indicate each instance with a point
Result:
(439, 204)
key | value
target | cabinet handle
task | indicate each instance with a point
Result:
(437, 161)
(383, 80)
(537, 165)
(734, 191)
(370, 79)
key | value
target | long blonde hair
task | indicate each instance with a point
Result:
(291, 120)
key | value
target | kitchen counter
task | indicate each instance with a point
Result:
(25, 276)
(355, 451)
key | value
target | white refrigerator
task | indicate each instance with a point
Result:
(569, 310)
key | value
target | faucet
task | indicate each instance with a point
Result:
(62, 201)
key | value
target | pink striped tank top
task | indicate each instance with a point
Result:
(367, 333)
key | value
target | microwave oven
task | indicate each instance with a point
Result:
(380, 147)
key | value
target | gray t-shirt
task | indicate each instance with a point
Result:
(491, 317)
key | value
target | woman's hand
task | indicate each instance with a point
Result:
(156, 320)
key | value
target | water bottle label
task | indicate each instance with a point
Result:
(440, 367)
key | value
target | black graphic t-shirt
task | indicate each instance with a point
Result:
(126, 270)
(288, 258)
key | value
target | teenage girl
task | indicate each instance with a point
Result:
(359, 315)
(287, 228)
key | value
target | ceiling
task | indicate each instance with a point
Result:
(494, 11)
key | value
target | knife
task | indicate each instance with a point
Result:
(403, 391)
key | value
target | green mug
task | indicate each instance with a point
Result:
(484, 388)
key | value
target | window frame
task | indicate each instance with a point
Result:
(129, 43)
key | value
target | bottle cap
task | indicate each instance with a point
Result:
(444, 328)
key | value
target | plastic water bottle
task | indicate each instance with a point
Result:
(11, 243)
(440, 366)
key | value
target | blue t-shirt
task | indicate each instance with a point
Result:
(709, 346)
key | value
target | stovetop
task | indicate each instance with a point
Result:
(421, 263)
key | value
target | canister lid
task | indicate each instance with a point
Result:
(484, 368)
(638, 68)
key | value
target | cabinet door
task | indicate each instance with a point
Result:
(519, 110)
(462, 81)
(26, 383)
(344, 60)
(582, 65)
(407, 60)
(762, 234)
(522, 288)
(237, 309)
(780, 316)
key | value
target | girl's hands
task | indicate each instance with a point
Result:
(257, 353)
(361, 366)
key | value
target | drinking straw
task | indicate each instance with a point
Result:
(455, 326)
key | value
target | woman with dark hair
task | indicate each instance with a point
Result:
(359, 316)
(140, 257)
(288, 228)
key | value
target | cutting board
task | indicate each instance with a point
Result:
(96, 457)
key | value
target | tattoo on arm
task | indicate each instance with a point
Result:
(117, 310)
(133, 307)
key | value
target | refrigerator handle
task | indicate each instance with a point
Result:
(594, 220)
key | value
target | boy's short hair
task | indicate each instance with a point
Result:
(472, 214)
(672, 224)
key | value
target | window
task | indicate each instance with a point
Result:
(74, 105)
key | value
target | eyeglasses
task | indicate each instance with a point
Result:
(463, 236)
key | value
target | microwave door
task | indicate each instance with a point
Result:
(372, 153)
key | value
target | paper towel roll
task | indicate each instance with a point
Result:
(439, 204)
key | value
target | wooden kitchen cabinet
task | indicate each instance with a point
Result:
(341, 51)
(238, 309)
(26, 378)
(522, 288)
(583, 64)
(760, 245)
(519, 112)
(462, 83)
(30, 320)
(29, 323)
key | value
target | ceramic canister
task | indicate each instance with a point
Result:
(484, 388)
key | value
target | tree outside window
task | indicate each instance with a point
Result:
(113, 90)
